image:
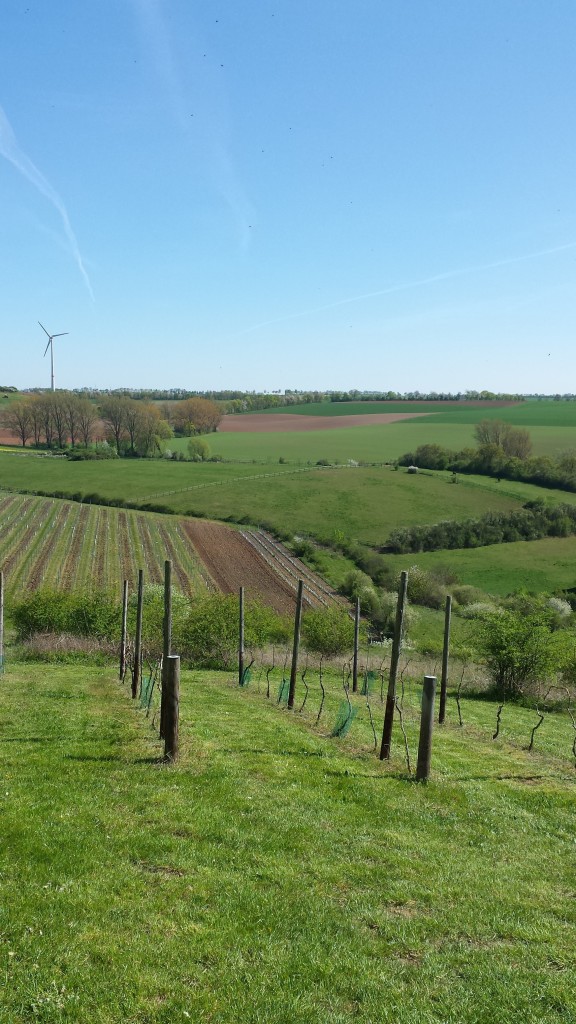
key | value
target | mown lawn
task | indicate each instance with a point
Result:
(276, 875)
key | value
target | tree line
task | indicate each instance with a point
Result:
(504, 452)
(62, 419)
(532, 522)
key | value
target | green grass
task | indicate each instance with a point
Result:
(54, 543)
(362, 503)
(540, 565)
(276, 875)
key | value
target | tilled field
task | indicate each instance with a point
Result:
(252, 560)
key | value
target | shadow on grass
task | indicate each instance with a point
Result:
(105, 758)
(31, 739)
(270, 752)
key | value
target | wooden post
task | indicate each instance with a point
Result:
(395, 658)
(138, 640)
(1, 620)
(241, 638)
(445, 652)
(166, 639)
(426, 724)
(296, 645)
(172, 712)
(122, 670)
(356, 635)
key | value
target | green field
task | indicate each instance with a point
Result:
(51, 543)
(365, 504)
(275, 875)
(545, 413)
(539, 565)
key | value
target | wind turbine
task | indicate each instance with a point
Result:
(50, 346)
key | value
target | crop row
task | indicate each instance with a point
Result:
(49, 542)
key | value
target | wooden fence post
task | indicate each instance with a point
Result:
(138, 639)
(426, 725)
(445, 653)
(166, 639)
(172, 712)
(355, 657)
(296, 645)
(241, 638)
(395, 658)
(122, 670)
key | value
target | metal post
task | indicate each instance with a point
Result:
(445, 653)
(356, 635)
(138, 640)
(395, 658)
(172, 712)
(426, 724)
(241, 638)
(122, 670)
(296, 645)
(166, 638)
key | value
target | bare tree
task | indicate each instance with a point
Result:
(87, 420)
(18, 421)
(114, 415)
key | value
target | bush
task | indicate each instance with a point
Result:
(51, 611)
(329, 633)
(520, 650)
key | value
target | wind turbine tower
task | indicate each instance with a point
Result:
(50, 346)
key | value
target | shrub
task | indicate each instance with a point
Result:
(51, 611)
(329, 633)
(520, 650)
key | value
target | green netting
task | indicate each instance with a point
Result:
(246, 677)
(344, 718)
(146, 691)
(369, 678)
(284, 691)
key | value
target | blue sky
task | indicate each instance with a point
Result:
(289, 194)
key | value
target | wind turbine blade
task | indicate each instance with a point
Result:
(43, 328)
(60, 335)
(48, 345)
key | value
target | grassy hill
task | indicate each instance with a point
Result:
(275, 874)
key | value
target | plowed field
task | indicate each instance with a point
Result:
(233, 561)
(283, 422)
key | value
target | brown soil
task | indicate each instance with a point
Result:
(269, 423)
(285, 422)
(233, 562)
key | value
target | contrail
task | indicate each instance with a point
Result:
(209, 107)
(409, 284)
(10, 149)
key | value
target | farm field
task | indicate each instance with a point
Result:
(547, 412)
(364, 503)
(48, 542)
(539, 565)
(55, 543)
(276, 874)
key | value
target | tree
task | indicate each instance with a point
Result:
(195, 416)
(151, 429)
(114, 415)
(18, 421)
(87, 420)
(515, 442)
